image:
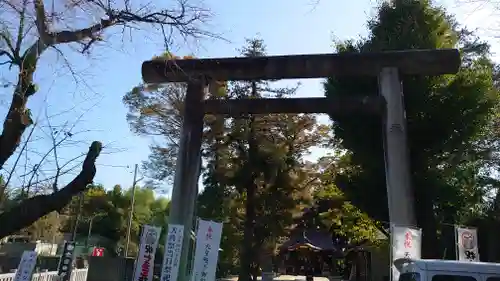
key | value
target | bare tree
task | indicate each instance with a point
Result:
(30, 28)
(43, 161)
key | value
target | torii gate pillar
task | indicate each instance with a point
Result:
(396, 152)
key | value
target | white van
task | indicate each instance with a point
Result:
(446, 270)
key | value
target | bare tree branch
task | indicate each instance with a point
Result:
(31, 209)
(2, 188)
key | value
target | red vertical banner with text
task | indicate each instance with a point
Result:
(406, 242)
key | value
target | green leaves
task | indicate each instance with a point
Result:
(333, 212)
(108, 211)
(449, 119)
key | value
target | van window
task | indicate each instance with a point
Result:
(410, 276)
(496, 278)
(452, 278)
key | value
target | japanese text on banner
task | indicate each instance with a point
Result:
(405, 243)
(207, 250)
(145, 259)
(173, 248)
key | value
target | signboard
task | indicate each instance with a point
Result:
(207, 250)
(172, 256)
(406, 242)
(147, 250)
(26, 266)
(97, 252)
(66, 261)
(466, 239)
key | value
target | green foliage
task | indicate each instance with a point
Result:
(158, 111)
(449, 120)
(343, 218)
(108, 212)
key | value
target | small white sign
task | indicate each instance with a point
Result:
(26, 266)
(208, 239)
(467, 249)
(172, 255)
(406, 242)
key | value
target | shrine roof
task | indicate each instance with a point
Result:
(314, 239)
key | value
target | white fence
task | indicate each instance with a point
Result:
(76, 275)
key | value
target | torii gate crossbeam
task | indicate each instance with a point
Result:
(385, 65)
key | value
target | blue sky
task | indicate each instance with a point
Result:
(287, 27)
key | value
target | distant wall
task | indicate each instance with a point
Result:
(16, 249)
(114, 269)
(109, 269)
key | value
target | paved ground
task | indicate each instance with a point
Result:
(298, 278)
(282, 278)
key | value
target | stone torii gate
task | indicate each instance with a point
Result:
(387, 66)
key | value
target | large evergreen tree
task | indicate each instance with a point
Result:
(103, 217)
(448, 122)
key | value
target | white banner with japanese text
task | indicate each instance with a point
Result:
(146, 256)
(172, 255)
(406, 242)
(26, 266)
(466, 240)
(207, 250)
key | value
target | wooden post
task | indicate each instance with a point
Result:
(187, 172)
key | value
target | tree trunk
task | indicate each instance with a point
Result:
(427, 221)
(247, 256)
(266, 263)
(255, 272)
(18, 117)
(447, 238)
(248, 252)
